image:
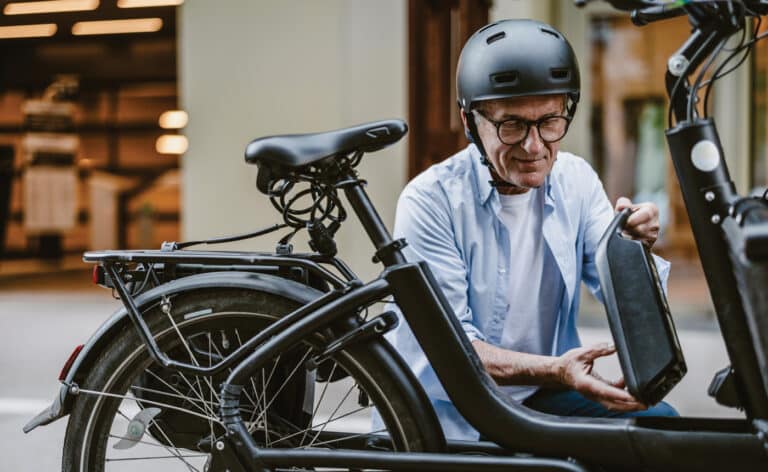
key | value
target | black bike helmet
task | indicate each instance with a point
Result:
(514, 58)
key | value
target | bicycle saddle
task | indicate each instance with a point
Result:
(297, 150)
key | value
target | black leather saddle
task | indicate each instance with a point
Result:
(298, 150)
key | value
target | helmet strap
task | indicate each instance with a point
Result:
(471, 133)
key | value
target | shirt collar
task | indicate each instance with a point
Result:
(483, 177)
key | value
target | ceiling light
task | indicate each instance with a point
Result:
(171, 144)
(49, 6)
(142, 25)
(28, 31)
(148, 3)
(173, 119)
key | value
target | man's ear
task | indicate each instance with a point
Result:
(466, 125)
(463, 117)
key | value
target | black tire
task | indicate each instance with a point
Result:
(179, 407)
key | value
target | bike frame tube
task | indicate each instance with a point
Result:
(670, 443)
(606, 441)
(412, 461)
(708, 193)
(705, 217)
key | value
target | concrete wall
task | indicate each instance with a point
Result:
(255, 68)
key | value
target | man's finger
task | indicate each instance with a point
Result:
(598, 350)
(603, 391)
(622, 203)
(640, 216)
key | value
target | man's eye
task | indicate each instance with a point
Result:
(513, 125)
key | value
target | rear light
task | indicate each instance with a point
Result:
(99, 276)
(70, 361)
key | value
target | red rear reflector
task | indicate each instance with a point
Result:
(95, 275)
(70, 361)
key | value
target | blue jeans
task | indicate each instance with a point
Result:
(572, 403)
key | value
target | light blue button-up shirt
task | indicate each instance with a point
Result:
(449, 215)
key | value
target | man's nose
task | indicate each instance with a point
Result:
(532, 144)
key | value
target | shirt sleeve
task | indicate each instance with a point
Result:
(424, 220)
(598, 213)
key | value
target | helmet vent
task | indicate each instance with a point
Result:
(495, 37)
(549, 31)
(505, 78)
(560, 74)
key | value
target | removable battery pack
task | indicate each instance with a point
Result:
(638, 315)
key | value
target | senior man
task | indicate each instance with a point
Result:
(510, 226)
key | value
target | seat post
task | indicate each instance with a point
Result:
(371, 221)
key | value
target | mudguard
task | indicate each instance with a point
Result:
(119, 321)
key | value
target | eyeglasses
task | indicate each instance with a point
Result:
(551, 128)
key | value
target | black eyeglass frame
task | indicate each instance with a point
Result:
(528, 124)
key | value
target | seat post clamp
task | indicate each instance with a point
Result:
(388, 248)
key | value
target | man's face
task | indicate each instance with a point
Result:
(527, 163)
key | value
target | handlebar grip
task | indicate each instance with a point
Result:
(651, 14)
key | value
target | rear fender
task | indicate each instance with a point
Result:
(119, 321)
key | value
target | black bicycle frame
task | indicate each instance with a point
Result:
(698, 444)
(641, 443)
(708, 193)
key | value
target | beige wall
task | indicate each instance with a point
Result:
(255, 68)
(261, 67)
(536, 9)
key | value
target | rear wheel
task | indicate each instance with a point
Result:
(132, 414)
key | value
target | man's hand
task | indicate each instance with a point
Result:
(643, 223)
(575, 371)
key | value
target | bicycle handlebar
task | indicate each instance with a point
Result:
(642, 17)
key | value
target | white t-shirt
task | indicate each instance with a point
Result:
(536, 290)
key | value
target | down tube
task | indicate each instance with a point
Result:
(476, 395)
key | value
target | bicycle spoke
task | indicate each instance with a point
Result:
(151, 402)
(156, 457)
(146, 443)
(173, 449)
(180, 397)
(198, 393)
(282, 386)
(229, 369)
(320, 401)
(345, 438)
(311, 428)
(330, 418)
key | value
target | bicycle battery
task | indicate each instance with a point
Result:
(642, 328)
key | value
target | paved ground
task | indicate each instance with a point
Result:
(42, 319)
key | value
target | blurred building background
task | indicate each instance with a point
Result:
(123, 122)
(241, 69)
